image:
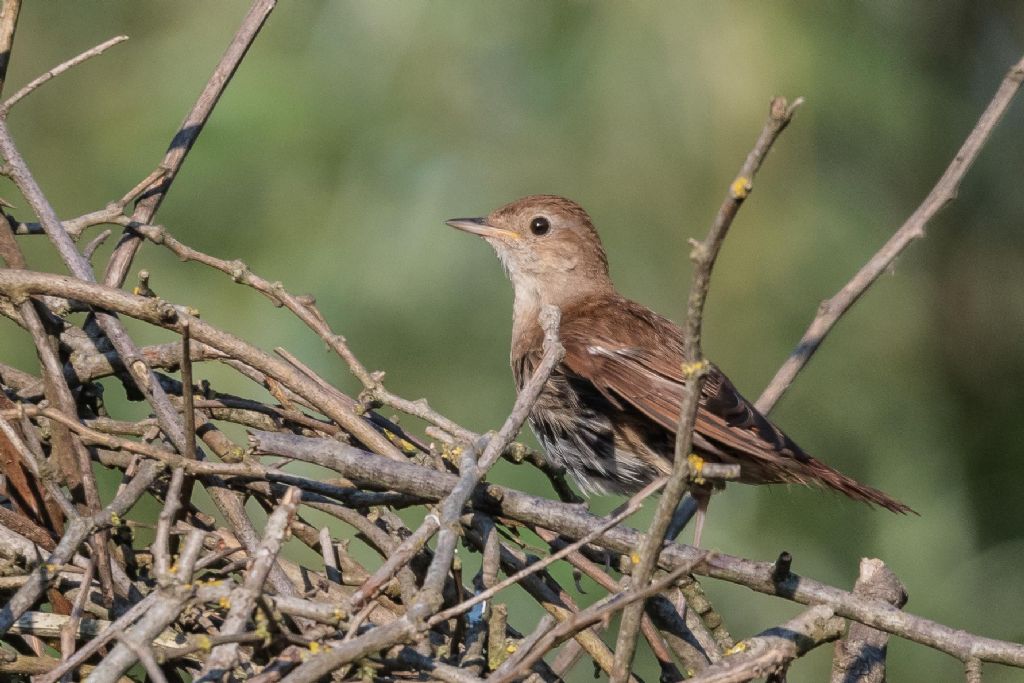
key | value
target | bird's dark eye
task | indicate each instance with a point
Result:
(540, 225)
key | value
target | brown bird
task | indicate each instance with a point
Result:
(609, 412)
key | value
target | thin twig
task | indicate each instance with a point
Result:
(944, 192)
(972, 670)
(9, 12)
(67, 634)
(243, 599)
(528, 395)
(188, 411)
(704, 255)
(5, 108)
(161, 545)
(327, 550)
(186, 136)
(627, 510)
(597, 612)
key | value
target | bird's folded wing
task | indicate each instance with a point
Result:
(651, 381)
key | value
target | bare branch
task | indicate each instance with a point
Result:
(771, 651)
(9, 12)
(410, 615)
(170, 601)
(632, 506)
(704, 255)
(5, 108)
(860, 656)
(573, 522)
(243, 599)
(188, 133)
(945, 191)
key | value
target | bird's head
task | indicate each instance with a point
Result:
(548, 246)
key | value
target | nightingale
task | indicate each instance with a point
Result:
(609, 412)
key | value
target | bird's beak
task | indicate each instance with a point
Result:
(478, 226)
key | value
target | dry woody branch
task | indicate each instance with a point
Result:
(222, 597)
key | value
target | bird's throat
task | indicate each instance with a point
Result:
(526, 305)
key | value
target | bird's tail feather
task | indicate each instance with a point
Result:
(838, 481)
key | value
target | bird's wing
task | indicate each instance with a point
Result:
(635, 360)
(646, 373)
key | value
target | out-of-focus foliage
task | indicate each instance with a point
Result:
(354, 128)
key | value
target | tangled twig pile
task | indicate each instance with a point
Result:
(217, 600)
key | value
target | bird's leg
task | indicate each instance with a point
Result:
(695, 502)
(703, 497)
(682, 516)
(700, 489)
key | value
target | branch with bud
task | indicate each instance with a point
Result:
(216, 597)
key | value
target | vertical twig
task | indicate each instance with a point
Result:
(188, 410)
(243, 599)
(187, 397)
(67, 634)
(330, 558)
(703, 255)
(161, 546)
(8, 24)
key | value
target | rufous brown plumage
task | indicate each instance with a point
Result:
(610, 410)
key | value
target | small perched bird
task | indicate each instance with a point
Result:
(610, 409)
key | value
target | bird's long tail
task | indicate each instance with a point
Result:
(838, 481)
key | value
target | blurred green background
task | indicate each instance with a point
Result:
(353, 129)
